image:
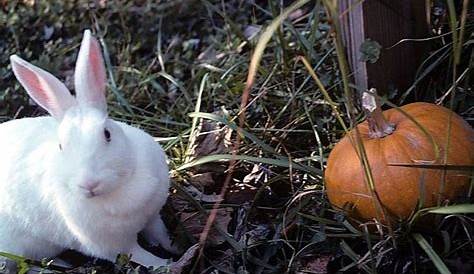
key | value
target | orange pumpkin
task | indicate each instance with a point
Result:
(398, 187)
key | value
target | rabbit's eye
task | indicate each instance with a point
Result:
(60, 147)
(107, 135)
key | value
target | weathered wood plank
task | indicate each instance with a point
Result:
(386, 22)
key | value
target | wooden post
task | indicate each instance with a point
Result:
(386, 22)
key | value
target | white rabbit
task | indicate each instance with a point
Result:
(77, 179)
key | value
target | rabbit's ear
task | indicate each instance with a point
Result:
(43, 87)
(89, 77)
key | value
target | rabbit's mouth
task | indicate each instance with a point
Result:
(90, 194)
(90, 188)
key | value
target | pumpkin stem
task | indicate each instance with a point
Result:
(379, 127)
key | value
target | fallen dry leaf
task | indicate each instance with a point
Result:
(226, 261)
(241, 192)
(198, 195)
(185, 260)
(259, 233)
(212, 138)
(202, 180)
(316, 265)
(194, 223)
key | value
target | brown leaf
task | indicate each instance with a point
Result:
(317, 265)
(194, 223)
(213, 138)
(226, 261)
(198, 195)
(180, 204)
(257, 234)
(202, 180)
(185, 260)
(240, 193)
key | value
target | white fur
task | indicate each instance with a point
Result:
(44, 207)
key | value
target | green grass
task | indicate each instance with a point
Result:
(179, 69)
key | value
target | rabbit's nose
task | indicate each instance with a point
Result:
(89, 185)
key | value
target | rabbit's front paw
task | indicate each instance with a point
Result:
(156, 233)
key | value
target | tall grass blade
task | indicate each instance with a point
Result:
(192, 135)
(442, 268)
(355, 137)
(354, 256)
(227, 157)
(454, 209)
(259, 49)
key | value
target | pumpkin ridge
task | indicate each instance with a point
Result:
(400, 145)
